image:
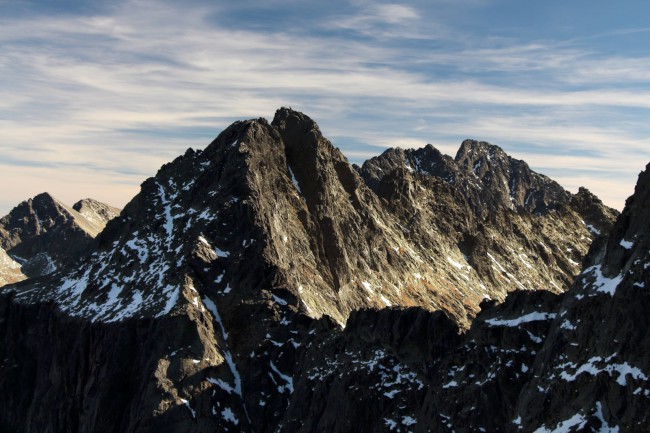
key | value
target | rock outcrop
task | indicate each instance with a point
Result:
(215, 300)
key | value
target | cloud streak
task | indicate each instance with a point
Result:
(101, 93)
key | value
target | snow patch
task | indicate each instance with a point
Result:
(366, 285)
(140, 248)
(172, 298)
(455, 264)
(229, 416)
(451, 384)
(602, 283)
(593, 230)
(187, 403)
(279, 300)
(622, 370)
(530, 317)
(294, 180)
(626, 244)
(220, 253)
(391, 394)
(385, 301)
(407, 421)
(568, 326)
(578, 422)
(287, 379)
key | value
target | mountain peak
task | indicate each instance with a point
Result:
(44, 197)
(510, 182)
(96, 212)
(473, 149)
(598, 217)
(289, 119)
(44, 234)
(629, 241)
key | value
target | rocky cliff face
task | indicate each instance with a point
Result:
(215, 300)
(502, 226)
(538, 362)
(596, 349)
(42, 234)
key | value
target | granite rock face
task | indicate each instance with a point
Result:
(503, 226)
(216, 300)
(538, 362)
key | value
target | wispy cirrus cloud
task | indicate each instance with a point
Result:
(124, 89)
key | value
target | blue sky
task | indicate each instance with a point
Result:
(95, 96)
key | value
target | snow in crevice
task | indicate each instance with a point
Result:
(287, 379)
(172, 294)
(227, 354)
(50, 267)
(217, 251)
(278, 300)
(593, 230)
(500, 268)
(522, 258)
(366, 285)
(187, 404)
(167, 209)
(385, 301)
(530, 317)
(457, 265)
(384, 373)
(294, 181)
(72, 288)
(477, 167)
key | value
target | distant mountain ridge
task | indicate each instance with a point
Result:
(488, 178)
(216, 299)
(42, 234)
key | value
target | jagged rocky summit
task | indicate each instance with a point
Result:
(41, 235)
(215, 300)
(538, 362)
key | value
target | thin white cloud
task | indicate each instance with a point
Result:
(92, 91)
